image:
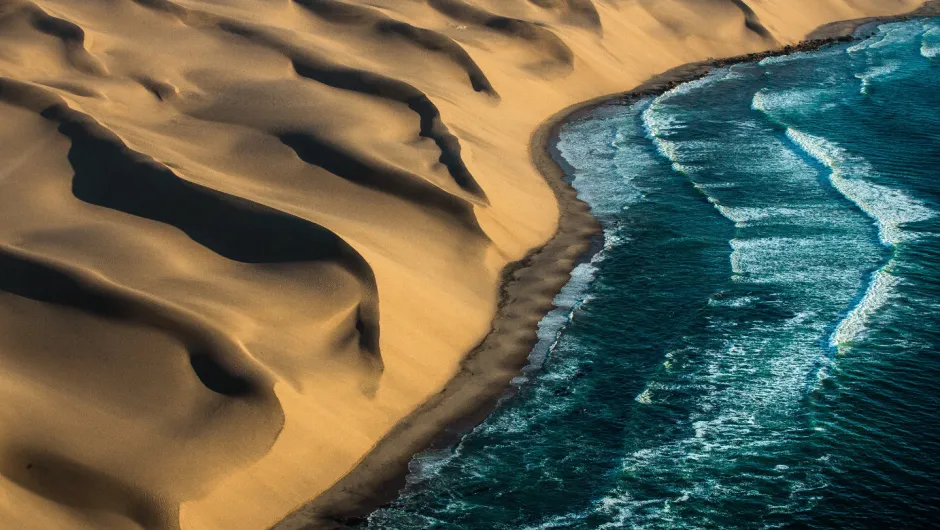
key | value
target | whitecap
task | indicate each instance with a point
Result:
(428, 464)
(607, 188)
(930, 44)
(888, 34)
(658, 125)
(854, 325)
(746, 215)
(735, 303)
(567, 302)
(812, 55)
(766, 260)
(930, 52)
(890, 208)
(714, 77)
(769, 101)
(874, 73)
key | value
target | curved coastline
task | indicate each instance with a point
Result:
(527, 291)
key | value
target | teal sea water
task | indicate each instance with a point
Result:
(756, 344)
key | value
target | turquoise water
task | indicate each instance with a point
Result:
(757, 343)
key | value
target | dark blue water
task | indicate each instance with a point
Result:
(758, 343)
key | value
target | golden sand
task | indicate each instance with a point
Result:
(242, 240)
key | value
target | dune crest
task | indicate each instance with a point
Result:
(242, 240)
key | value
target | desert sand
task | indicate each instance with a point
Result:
(244, 242)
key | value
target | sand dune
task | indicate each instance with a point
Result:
(242, 240)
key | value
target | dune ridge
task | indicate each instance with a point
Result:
(244, 242)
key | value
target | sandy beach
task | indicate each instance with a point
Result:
(258, 254)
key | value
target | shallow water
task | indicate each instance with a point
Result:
(757, 343)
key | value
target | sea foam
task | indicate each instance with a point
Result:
(874, 73)
(659, 125)
(890, 35)
(876, 296)
(890, 208)
(930, 44)
(797, 100)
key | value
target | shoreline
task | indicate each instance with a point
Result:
(527, 290)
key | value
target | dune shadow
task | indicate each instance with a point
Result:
(348, 14)
(108, 174)
(372, 84)
(71, 483)
(412, 188)
(431, 126)
(32, 279)
(541, 40)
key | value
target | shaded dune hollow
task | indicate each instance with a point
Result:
(376, 24)
(559, 58)
(244, 245)
(71, 35)
(321, 153)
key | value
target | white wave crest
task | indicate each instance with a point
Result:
(768, 101)
(930, 44)
(659, 125)
(890, 208)
(853, 326)
(734, 303)
(875, 73)
(798, 56)
(607, 192)
(744, 215)
(863, 45)
(604, 160)
(889, 34)
(567, 302)
(685, 88)
(763, 260)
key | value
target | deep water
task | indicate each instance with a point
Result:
(757, 344)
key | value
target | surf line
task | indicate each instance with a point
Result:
(889, 208)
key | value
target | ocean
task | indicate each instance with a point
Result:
(756, 343)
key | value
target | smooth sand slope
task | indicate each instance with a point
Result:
(241, 240)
